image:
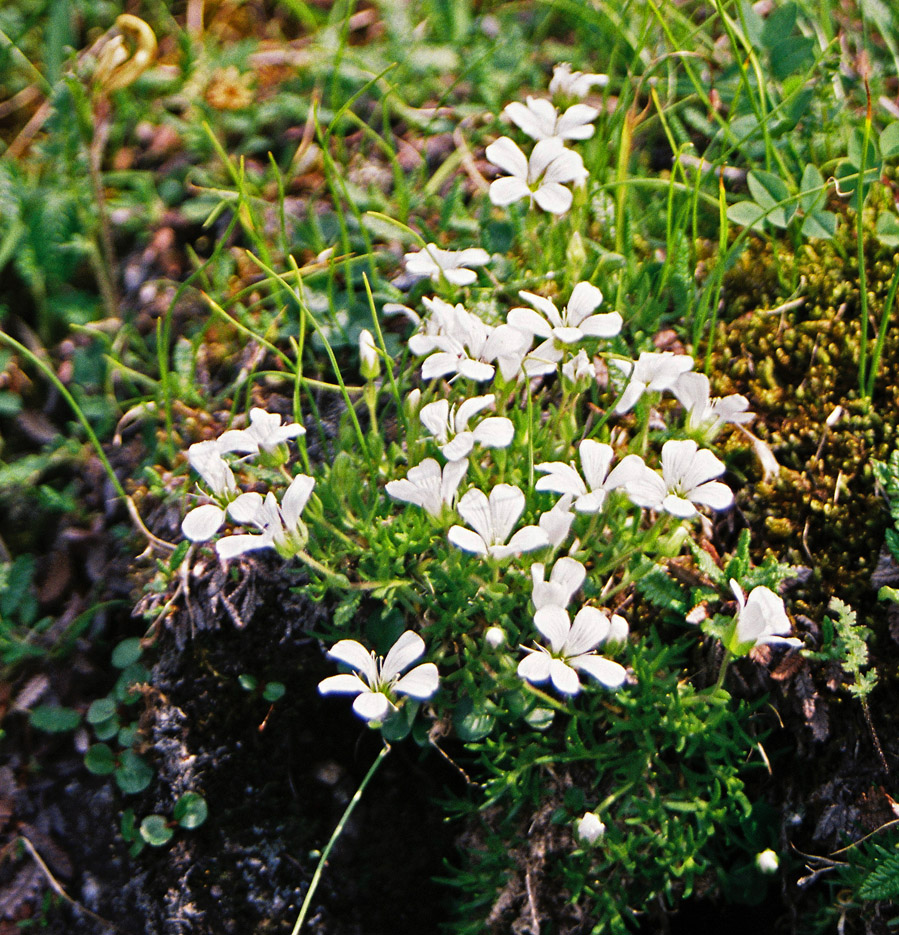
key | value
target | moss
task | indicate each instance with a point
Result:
(797, 365)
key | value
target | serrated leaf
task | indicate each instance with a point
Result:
(746, 214)
(883, 881)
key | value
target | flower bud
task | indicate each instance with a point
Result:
(767, 861)
(589, 829)
(495, 637)
(369, 363)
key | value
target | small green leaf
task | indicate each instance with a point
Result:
(889, 140)
(813, 190)
(191, 810)
(274, 691)
(133, 774)
(103, 709)
(247, 682)
(99, 760)
(821, 224)
(772, 194)
(155, 830)
(887, 229)
(54, 719)
(126, 653)
(746, 214)
(106, 730)
(471, 724)
(128, 735)
(540, 718)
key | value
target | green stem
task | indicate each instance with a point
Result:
(860, 249)
(725, 662)
(326, 853)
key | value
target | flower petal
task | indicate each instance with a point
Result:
(526, 319)
(564, 678)
(344, 684)
(435, 418)
(372, 706)
(422, 682)
(494, 432)
(506, 154)
(714, 494)
(535, 666)
(467, 540)
(506, 504)
(507, 191)
(408, 647)
(553, 197)
(203, 522)
(527, 539)
(295, 499)
(355, 655)
(590, 628)
(560, 478)
(554, 624)
(231, 546)
(595, 460)
(584, 299)
(609, 673)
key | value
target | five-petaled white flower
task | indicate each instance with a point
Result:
(566, 577)
(458, 342)
(654, 372)
(686, 480)
(590, 493)
(705, 414)
(427, 486)
(449, 425)
(432, 262)
(377, 682)
(761, 618)
(203, 522)
(571, 650)
(568, 83)
(282, 528)
(562, 329)
(541, 178)
(492, 520)
(264, 434)
(541, 121)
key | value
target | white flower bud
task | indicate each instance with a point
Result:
(589, 829)
(767, 861)
(495, 637)
(369, 363)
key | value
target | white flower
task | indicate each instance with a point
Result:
(541, 121)
(761, 618)
(596, 458)
(579, 368)
(589, 828)
(369, 361)
(655, 372)
(561, 329)
(705, 414)
(541, 178)
(492, 520)
(282, 528)
(566, 577)
(767, 861)
(570, 650)
(556, 523)
(203, 522)
(458, 342)
(427, 486)
(264, 434)
(376, 682)
(686, 480)
(449, 425)
(577, 84)
(431, 262)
